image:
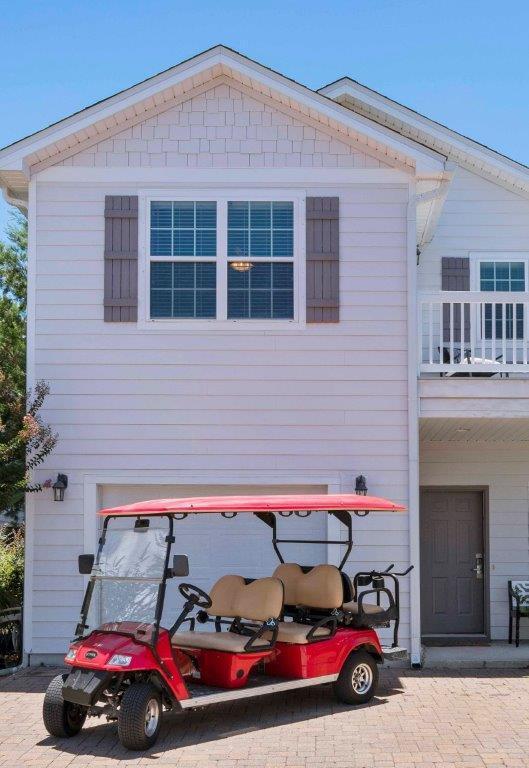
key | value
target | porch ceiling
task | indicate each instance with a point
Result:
(474, 430)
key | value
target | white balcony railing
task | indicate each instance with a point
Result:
(473, 333)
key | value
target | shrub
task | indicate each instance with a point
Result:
(11, 567)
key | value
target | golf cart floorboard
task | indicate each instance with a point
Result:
(258, 685)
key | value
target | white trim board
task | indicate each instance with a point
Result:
(223, 176)
(30, 383)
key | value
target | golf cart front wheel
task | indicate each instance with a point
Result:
(61, 718)
(139, 716)
(358, 679)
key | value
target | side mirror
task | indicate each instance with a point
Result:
(86, 563)
(180, 565)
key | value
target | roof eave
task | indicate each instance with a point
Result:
(480, 157)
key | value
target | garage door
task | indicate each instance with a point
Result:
(216, 545)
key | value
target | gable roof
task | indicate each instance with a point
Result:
(458, 148)
(157, 93)
(402, 137)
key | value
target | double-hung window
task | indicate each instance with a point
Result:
(260, 259)
(183, 249)
(224, 259)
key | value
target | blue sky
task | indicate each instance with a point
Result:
(463, 63)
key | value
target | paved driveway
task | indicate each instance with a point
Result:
(419, 720)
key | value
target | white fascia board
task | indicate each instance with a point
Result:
(426, 160)
(460, 143)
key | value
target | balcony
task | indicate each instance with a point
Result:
(474, 334)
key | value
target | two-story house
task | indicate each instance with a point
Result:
(239, 284)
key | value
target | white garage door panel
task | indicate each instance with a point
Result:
(217, 546)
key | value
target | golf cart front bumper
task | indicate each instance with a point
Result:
(84, 686)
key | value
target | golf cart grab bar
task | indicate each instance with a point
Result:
(379, 575)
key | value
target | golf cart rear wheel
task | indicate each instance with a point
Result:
(139, 716)
(61, 718)
(358, 679)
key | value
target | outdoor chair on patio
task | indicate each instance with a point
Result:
(518, 606)
(467, 360)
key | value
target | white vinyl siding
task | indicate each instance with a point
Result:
(478, 217)
(325, 400)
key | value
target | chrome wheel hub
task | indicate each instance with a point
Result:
(152, 715)
(362, 678)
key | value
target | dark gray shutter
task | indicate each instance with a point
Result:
(323, 260)
(455, 276)
(121, 258)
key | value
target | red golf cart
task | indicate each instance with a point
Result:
(300, 626)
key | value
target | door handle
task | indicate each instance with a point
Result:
(478, 569)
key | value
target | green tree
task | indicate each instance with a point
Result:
(24, 439)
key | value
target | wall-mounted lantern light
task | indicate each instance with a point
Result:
(59, 486)
(361, 486)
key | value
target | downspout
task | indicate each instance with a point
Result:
(413, 431)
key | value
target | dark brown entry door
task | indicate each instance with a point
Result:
(452, 562)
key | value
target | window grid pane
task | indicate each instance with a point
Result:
(264, 291)
(502, 276)
(183, 289)
(260, 229)
(183, 228)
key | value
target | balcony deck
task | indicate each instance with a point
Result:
(474, 334)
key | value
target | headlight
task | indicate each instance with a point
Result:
(70, 656)
(120, 660)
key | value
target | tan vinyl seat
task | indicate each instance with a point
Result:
(232, 598)
(216, 641)
(293, 632)
(321, 589)
(368, 608)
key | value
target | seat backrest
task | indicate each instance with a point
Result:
(320, 588)
(223, 594)
(259, 600)
(521, 588)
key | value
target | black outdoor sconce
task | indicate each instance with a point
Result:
(59, 486)
(361, 486)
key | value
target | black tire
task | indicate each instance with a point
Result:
(135, 727)
(61, 718)
(358, 679)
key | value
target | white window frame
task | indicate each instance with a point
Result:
(477, 258)
(221, 197)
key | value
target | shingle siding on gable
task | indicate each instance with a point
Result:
(223, 127)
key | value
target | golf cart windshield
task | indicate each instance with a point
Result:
(127, 574)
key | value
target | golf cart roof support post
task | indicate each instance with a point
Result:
(161, 588)
(270, 520)
(345, 518)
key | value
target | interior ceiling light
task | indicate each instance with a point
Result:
(241, 266)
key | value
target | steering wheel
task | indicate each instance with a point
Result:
(194, 595)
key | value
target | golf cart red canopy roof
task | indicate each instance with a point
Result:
(289, 503)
